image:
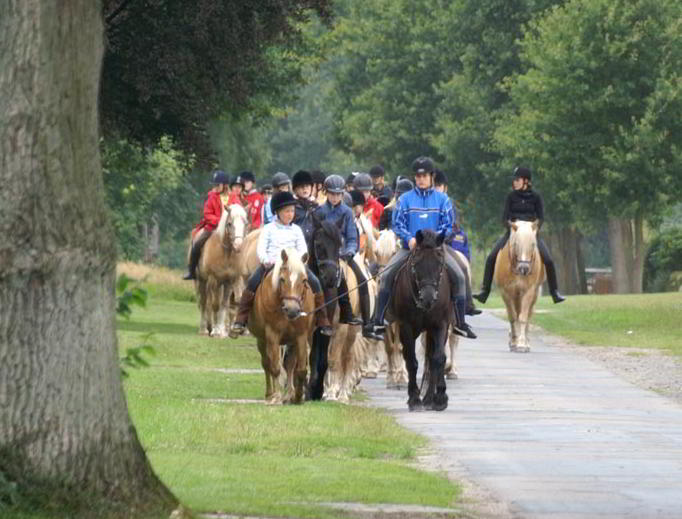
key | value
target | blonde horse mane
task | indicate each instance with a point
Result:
(387, 244)
(236, 212)
(295, 265)
(368, 230)
(523, 236)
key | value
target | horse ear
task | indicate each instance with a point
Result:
(534, 226)
(419, 236)
(440, 239)
(513, 226)
(284, 256)
(304, 258)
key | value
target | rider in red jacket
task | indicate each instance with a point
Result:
(363, 183)
(254, 198)
(213, 208)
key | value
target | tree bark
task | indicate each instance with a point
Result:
(627, 247)
(580, 263)
(563, 245)
(64, 421)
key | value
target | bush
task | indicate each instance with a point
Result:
(663, 259)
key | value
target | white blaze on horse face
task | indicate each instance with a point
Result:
(523, 243)
(238, 222)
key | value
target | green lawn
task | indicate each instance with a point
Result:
(248, 458)
(637, 320)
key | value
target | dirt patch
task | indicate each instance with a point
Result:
(646, 368)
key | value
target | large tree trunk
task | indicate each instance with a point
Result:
(564, 244)
(64, 422)
(627, 247)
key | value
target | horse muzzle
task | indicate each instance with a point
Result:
(523, 268)
(237, 244)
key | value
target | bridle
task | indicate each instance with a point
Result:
(327, 262)
(229, 233)
(421, 285)
(297, 299)
(513, 259)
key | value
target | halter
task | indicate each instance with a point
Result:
(297, 299)
(332, 263)
(420, 286)
(230, 245)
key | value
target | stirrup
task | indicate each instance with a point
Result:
(352, 321)
(482, 296)
(326, 330)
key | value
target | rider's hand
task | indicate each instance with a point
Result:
(412, 243)
(347, 257)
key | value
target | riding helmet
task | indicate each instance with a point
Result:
(377, 171)
(363, 182)
(237, 180)
(357, 198)
(334, 184)
(423, 165)
(347, 199)
(220, 177)
(281, 199)
(439, 178)
(279, 179)
(522, 172)
(403, 186)
(247, 176)
(318, 176)
(350, 178)
(301, 178)
(265, 188)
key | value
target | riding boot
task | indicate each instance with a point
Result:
(194, 256)
(245, 305)
(345, 310)
(321, 318)
(482, 296)
(552, 283)
(382, 304)
(460, 326)
(367, 324)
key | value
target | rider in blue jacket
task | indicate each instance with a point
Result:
(423, 208)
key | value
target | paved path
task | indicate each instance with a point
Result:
(552, 433)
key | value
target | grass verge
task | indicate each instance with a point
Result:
(633, 320)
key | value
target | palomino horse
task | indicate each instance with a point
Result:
(421, 303)
(396, 373)
(219, 270)
(283, 314)
(519, 274)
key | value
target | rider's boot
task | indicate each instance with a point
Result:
(245, 305)
(552, 283)
(321, 317)
(460, 326)
(345, 310)
(382, 303)
(367, 324)
(194, 256)
(471, 309)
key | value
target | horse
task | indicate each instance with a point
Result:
(519, 274)
(218, 270)
(421, 303)
(396, 373)
(282, 314)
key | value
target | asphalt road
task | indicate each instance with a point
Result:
(550, 433)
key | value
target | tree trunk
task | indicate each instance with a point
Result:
(151, 237)
(628, 248)
(580, 263)
(64, 422)
(563, 245)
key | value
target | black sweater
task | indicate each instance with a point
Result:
(523, 205)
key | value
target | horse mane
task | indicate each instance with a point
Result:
(368, 229)
(332, 232)
(294, 264)
(236, 211)
(386, 244)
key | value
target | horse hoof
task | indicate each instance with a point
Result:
(370, 374)
(452, 375)
(440, 403)
(415, 405)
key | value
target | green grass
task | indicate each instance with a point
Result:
(248, 458)
(635, 320)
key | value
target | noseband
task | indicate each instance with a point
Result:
(516, 263)
(230, 242)
(421, 285)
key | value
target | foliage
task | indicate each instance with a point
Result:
(598, 112)
(147, 186)
(663, 258)
(172, 67)
(126, 298)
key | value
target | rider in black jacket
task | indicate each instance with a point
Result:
(521, 204)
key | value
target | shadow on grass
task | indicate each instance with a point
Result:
(162, 328)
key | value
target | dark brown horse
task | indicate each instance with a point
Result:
(421, 303)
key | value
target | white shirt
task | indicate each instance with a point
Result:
(276, 236)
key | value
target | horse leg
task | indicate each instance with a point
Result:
(525, 312)
(269, 389)
(300, 366)
(450, 363)
(289, 362)
(223, 298)
(426, 340)
(414, 403)
(319, 363)
(203, 307)
(273, 367)
(510, 304)
(332, 383)
(437, 350)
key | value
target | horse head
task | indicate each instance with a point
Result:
(427, 263)
(522, 246)
(290, 281)
(325, 247)
(232, 227)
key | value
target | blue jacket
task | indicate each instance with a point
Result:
(349, 233)
(422, 209)
(460, 242)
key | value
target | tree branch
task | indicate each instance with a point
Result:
(116, 11)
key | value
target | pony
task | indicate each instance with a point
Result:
(282, 314)
(396, 373)
(519, 274)
(219, 270)
(421, 303)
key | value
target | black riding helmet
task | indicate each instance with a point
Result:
(318, 176)
(522, 172)
(281, 199)
(377, 171)
(220, 177)
(439, 178)
(247, 176)
(423, 165)
(403, 186)
(237, 181)
(357, 198)
(363, 182)
(301, 178)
